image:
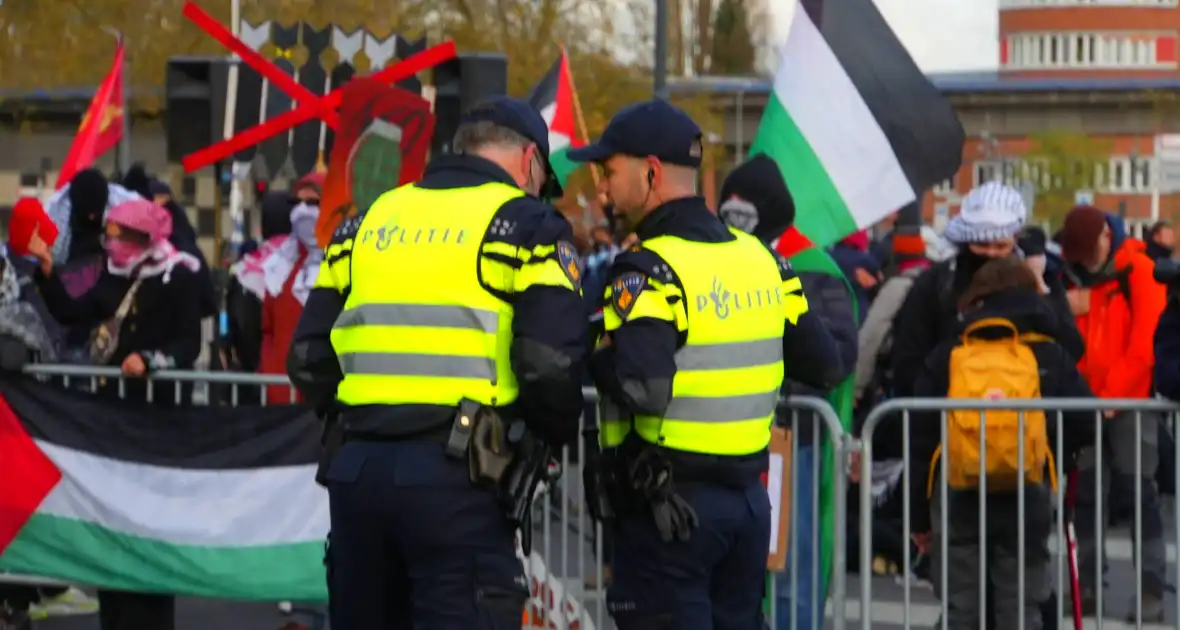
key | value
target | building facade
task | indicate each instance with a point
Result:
(1119, 39)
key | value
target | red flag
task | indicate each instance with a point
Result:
(102, 126)
(382, 143)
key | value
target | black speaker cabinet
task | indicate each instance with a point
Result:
(461, 83)
(195, 92)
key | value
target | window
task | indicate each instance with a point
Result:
(1100, 182)
(945, 187)
(1083, 50)
(1119, 174)
(987, 171)
(1022, 4)
(1141, 174)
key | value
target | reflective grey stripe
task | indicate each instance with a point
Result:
(725, 356)
(419, 315)
(722, 409)
(392, 364)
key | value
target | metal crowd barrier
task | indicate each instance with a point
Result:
(971, 591)
(568, 572)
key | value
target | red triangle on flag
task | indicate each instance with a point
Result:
(23, 461)
(563, 114)
(792, 242)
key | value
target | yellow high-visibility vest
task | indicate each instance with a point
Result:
(734, 307)
(418, 327)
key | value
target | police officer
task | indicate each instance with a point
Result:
(696, 320)
(462, 287)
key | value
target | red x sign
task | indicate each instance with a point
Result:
(310, 105)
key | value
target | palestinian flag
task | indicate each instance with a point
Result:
(554, 98)
(214, 502)
(855, 126)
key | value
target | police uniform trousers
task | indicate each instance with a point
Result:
(414, 545)
(713, 581)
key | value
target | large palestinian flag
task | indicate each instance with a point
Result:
(855, 126)
(554, 98)
(216, 502)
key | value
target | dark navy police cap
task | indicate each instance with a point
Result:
(655, 128)
(525, 120)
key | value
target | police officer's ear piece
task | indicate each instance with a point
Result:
(651, 176)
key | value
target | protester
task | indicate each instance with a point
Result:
(1117, 304)
(990, 219)
(911, 258)
(1003, 292)
(289, 273)
(28, 219)
(24, 336)
(859, 266)
(183, 237)
(1161, 241)
(247, 285)
(142, 312)
(756, 200)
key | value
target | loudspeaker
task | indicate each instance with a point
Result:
(459, 84)
(195, 91)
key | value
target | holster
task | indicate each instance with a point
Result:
(489, 451)
(331, 439)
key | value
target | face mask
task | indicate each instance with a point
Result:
(123, 253)
(304, 230)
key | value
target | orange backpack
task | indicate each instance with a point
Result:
(1003, 368)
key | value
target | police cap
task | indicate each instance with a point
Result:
(655, 128)
(524, 119)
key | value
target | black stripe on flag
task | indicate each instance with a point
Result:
(921, 125)
(544, 93)
(205, 438)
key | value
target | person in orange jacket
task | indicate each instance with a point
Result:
(1117, 305)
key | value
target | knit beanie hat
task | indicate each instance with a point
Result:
(313, 180)
(1079, 235)
(908, 244)
(29, 216)
(990, 212)
(755, 199)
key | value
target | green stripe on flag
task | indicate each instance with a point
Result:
(562, 166)
(821, 213)
(119, 561)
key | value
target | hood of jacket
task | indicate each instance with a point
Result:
(1132, 252)
(755, 199)
(1026, 309)
(276, 215)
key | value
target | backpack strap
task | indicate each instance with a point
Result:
(990, 323)
(1033, 337)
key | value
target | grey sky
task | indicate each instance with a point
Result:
(941, 35)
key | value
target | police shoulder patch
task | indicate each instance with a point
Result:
(567, 256)
(625, 291)
(347, 229)
(784, 266)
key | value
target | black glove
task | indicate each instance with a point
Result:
(675, 519)
(594, 477)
